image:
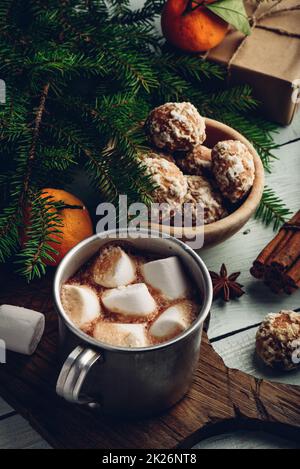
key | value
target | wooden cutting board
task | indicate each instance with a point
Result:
(220, 399)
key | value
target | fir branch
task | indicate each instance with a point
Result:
(189, 67)
(6, 7)
(12, 216)
(42, 230)
(235, 99)
(272, 209)
(61, 61)
(10, 220)
(134, 68)
(81, 77)
(145, 14)
(35, 135)
(115, 118)
(119, 7)
(95, 165)
(13, 118)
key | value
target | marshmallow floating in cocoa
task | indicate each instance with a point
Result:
(132, 300)
(81, 303)
(21, 329)
(113, 268)
(172, 321)
(167, 276)
(122, 335)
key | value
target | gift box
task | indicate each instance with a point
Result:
(268, 59)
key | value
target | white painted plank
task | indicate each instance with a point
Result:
(16, 433)
(246, 440)
(239, 252)
(291, 132)
(4, 407)
(238, 351)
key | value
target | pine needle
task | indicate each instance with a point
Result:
(272, 209)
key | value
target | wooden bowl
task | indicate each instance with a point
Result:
(215, 233)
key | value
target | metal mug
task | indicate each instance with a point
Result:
(129, 382)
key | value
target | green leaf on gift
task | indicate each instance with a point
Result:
(232, 11)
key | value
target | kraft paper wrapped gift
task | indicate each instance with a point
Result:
(269, 59)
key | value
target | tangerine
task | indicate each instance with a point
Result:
(76, 223)
(192, 28)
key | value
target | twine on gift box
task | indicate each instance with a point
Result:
(254, 19)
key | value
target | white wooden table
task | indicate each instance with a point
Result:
(235, 346)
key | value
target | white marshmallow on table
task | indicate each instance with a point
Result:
(172, 321)
(113, 268)
(81, 303)
(133, 300)
(167, 276)
(123, 335)
(21, 329)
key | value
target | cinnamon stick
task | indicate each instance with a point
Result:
(278, 264)
(274, 280)
(275, 245)
(259, 265)
(292, 276)
(289, 254)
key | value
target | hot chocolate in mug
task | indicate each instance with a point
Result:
(129, 382)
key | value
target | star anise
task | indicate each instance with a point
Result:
(225, 286)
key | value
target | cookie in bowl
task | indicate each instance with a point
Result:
(233, 169)
(175, 127)
(196, 162)
(157, 154)
(202, 191)
(171, 184)
(232, 172)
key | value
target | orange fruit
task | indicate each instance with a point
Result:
(193, 31)
(76, 223)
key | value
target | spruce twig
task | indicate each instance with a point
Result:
(272, 209)
(81, 76)
(35, 135)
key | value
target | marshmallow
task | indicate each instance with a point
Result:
(80, 303)
(122, 335)
(172, 321)
(167, 276)
(133, 300)
(113, 268)
(21, 329)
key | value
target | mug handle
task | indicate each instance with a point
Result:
(74, 373)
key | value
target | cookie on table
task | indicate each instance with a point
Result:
(278, 340)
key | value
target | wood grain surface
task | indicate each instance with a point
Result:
(220, 398)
